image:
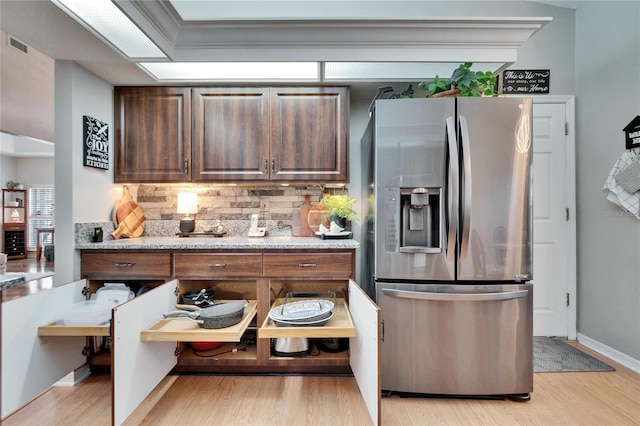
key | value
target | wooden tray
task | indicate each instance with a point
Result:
(186, 330)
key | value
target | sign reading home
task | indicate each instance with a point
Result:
(96, 143)
(632, 133)
(525, 81)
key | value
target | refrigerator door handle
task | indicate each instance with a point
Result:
(455, 297)
(454, 188)
(466, 203)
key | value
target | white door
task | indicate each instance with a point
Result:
(550, 223)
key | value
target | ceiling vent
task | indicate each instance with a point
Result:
(18, 45)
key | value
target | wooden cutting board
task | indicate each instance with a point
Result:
(305, 230)
(128, 217)
(314, 218)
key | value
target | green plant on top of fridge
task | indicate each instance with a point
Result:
(469, 82)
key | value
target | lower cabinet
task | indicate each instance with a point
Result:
(38, 352)
(150, 352)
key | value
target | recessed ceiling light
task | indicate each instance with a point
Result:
(233, 71)
(106, 21)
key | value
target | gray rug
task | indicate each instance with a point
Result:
(554, 355)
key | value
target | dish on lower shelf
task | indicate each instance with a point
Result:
(303, 310)
(316, 323)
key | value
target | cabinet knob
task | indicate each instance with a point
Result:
(123, 265)
(266, 166)
(307, 265)
(217, 265)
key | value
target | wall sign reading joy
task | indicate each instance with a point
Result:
(96, 143)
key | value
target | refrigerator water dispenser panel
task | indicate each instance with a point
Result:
(421, 220)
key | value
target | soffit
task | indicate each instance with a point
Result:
(450, 39)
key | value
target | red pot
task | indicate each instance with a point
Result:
(205, 346)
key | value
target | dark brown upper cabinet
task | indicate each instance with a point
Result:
(152, 134)
(309, 140)
(231, 134)
(277, 134)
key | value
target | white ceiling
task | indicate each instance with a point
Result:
(45, 27)
(199, 10)
(267, 30)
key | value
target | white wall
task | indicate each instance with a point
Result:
(608, 98)
(35, 171)
(83, 194)
(7, 170)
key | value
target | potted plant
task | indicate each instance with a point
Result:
(463, 82)
(339, 209)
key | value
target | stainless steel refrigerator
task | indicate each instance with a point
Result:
(451, 244)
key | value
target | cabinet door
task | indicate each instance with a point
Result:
(139, 366)
(31, 364)
(364, 355)
(230, 134)
(309, 140)
(152, 134)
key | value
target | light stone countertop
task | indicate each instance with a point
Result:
(15, 279)
(226, 243)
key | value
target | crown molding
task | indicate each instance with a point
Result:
(450, 39)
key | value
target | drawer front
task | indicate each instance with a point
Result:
(309, 264)
(204, 265)
(123, 264)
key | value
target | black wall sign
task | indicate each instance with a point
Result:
(632, 133)
(525, 81)
(96, 143)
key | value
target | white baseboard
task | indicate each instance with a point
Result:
(75, 377)
(614, 355)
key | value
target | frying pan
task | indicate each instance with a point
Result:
(220, 315)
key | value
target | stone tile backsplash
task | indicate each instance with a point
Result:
(225, 203)
(232, 205)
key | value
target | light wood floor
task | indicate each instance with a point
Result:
(593, 398)
(30, 264)
(590, 398)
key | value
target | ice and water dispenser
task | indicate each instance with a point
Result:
(414, 220)
(420, 220)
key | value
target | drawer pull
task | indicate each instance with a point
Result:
(217, 265)
(307, 265)
(123, 265)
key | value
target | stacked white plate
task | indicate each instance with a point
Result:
(304, 313)
(98, 310)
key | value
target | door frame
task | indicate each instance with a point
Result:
(570, 190)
